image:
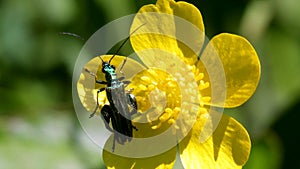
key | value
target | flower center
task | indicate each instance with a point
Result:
(166, 101)
(158, 97)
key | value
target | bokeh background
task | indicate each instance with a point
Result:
(38, 125)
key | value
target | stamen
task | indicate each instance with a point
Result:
(146, 79)
(203, 85)
(142, 87)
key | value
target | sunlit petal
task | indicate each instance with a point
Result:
(240, 65)
(174, 27)
(162, 161)
(228, 147)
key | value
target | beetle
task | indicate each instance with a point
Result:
(117, 112)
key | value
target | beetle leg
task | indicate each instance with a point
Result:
(121, 78)
(95, 76)
(114, 144)
(126, 82)
(134, 127)
(97, 105)
(123, 66)
(100, 81)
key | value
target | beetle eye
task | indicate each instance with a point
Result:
(104, 66)
(103, 69)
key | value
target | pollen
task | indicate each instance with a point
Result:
(203, 85)
(166, 115)
(142, 87)
(156, 126)
(171, 121)
(206, 99)
(203, 110)
(199, 77)
(146, 79)
(151, 87)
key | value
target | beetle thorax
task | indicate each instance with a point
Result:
(110, 74)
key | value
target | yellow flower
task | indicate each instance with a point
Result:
(180, 95)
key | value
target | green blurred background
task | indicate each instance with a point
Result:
(38, 125)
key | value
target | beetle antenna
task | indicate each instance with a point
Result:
(71, 34)
(125, 42)
(101, 59)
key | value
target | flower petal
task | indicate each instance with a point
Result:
(240, 64)
(86, 86)
(169, 26)
(228, 147)
(112, 160)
